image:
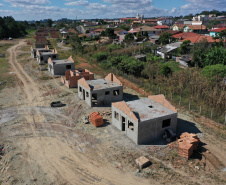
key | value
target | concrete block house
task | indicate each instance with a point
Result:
(72, 76)
(34, 50)
(59, 67)
(100, 92)
(145, 120)
(43, 57)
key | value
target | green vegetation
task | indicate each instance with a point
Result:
(5, 68)
(166, 38)
(11, 28)
(213, 72)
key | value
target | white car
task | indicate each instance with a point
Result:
(10, 38)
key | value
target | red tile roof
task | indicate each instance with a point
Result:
(218, 30)
(185, 35)
(200, 38)
(171, 31)
(161, 27)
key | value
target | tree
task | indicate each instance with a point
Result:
(76, 44)
(166, 70)
(199, 52)
(166, 38)
(146, 34)
(184, 47)
(129, 37)
(49, 22)
(110, 32)
(216, 55)
(213, 71)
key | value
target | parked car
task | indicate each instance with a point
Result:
(56, 104)
(10, 38)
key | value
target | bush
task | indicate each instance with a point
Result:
(214, 71)
(100, 56)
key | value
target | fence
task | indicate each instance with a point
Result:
(179, 100)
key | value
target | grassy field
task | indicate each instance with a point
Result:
(5, 76)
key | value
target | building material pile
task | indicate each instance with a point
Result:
(187, 144)
(142, 162)
(96, 119)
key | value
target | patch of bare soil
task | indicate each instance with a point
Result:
(47, 145)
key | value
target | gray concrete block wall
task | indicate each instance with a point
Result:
(60, 69)
(88, 99)
(103, 99)
(132, 134)
(149, 132)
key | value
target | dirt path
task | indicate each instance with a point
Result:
(53, 155)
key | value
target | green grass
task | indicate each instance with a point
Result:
(5, 68)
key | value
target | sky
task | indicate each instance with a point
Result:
(85, 9)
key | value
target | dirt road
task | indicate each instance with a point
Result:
(52, 146)
(46, 157)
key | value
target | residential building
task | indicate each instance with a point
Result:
(59, 67)
(162, 27)
(199, 38)
(34, 50)
(214, 32)
(72, 76)
(195, 28)
(165, 51)
(145, 120)
(150, 30)
(100, 92)
(178, 27)
(185, 35)
(164, 21)
(42, 57)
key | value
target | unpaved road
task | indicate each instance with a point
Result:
(60, 162)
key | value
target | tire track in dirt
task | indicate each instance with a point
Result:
(46, 152)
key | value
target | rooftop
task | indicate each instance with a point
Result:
(62, 61)
(146, 109)
(48, 53)
(101, 84)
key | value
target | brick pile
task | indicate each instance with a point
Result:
(96, 119)
(187, 144)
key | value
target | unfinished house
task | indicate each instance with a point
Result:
(40, 42)
(59, 67)
(33, 50)
(71, 77)
(100, 92)
(43, 57)
(145, 120)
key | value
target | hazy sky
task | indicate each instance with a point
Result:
(55, 9)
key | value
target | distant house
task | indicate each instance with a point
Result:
(150, 30)
(165, 51)
(199, 38)
(42, 57)
(33, 50)
(40, 41)
(163, 21)
(214, 32)
(123, 20)
(71, 77)
(59, 67)
(100, 92)
(178, 27)
(121, 34)
(154, 39)
(185, 60)
(162, 27)
(149, 21)
(195, 28)
(145, 120)
(185, 35)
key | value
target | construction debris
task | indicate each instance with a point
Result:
(96, 119)
(187, 144)
(142, 162)
(85, 119)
